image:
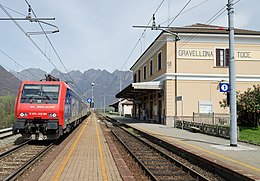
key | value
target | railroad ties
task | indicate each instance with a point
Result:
(15, 161)
(157, 164)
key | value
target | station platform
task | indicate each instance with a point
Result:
(245, 158)
(86, 157)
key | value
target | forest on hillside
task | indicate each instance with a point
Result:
(6, 111)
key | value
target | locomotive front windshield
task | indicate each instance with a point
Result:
(40, 94)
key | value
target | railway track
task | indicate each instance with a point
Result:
(157, 164)
(15, 161)
(4, 133)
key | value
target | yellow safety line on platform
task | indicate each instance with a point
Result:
(103, 166)
(213, 153)
(63, 165)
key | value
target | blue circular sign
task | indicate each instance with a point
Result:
(224, 87)
(89, 100)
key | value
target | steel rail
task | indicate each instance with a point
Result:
(4, 133)
(14, 175)
(14, 149)
(174, 162)
(215, 168)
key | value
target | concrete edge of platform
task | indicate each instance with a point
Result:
(223, 167)
(124, 171)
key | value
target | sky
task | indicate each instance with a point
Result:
(99, 34)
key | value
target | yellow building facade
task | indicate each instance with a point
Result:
(174, 79)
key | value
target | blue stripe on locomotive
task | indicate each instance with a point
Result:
(67, 107)
(73, 105)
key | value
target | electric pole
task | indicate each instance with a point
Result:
(232, 76)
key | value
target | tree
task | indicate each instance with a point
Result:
(6, 111)
(248, 107)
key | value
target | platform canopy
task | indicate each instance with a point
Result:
(138, 89)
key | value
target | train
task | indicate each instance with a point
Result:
(46, 109)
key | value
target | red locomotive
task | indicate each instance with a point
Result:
(45, 110)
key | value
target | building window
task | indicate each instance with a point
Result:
(222, 57)
(159, 61)
(151, 67)
(139, 75)
(134, 78)
(144, 71)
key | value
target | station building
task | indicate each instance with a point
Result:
(173, 79)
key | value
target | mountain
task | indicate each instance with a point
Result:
(9, 84)
(106, 84)
(30, 74)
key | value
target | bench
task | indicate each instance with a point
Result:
(194, 129)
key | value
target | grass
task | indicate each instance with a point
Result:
(131, 130)
(250, 134)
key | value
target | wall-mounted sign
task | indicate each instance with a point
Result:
(223, 87)
(211, 54)
(247, 55)
(196, 53)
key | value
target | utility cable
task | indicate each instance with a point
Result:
(5, 86)
(8, 68)
(209, 21)
(9, 15)
(136, 44)
(14, 10)
(54, 49)
(37, 78)
(179, 13)
(160, 24)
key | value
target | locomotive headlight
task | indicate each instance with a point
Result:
(54, 115)
(23, 114)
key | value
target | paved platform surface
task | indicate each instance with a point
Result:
(86, 157)
(245, 158)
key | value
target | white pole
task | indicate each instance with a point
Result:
(232, 77)
(182, 112)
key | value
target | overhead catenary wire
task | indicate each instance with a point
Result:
(14, 10)
(179, 12)
(142, 34)
(55, 51)
(7, 87)
(136, 44)
(197, 5)
(38, 46)
(9, 69)
(37, 78)
(209, 21)
(34, 43)
(10, 87)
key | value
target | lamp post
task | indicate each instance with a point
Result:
(92, 97)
